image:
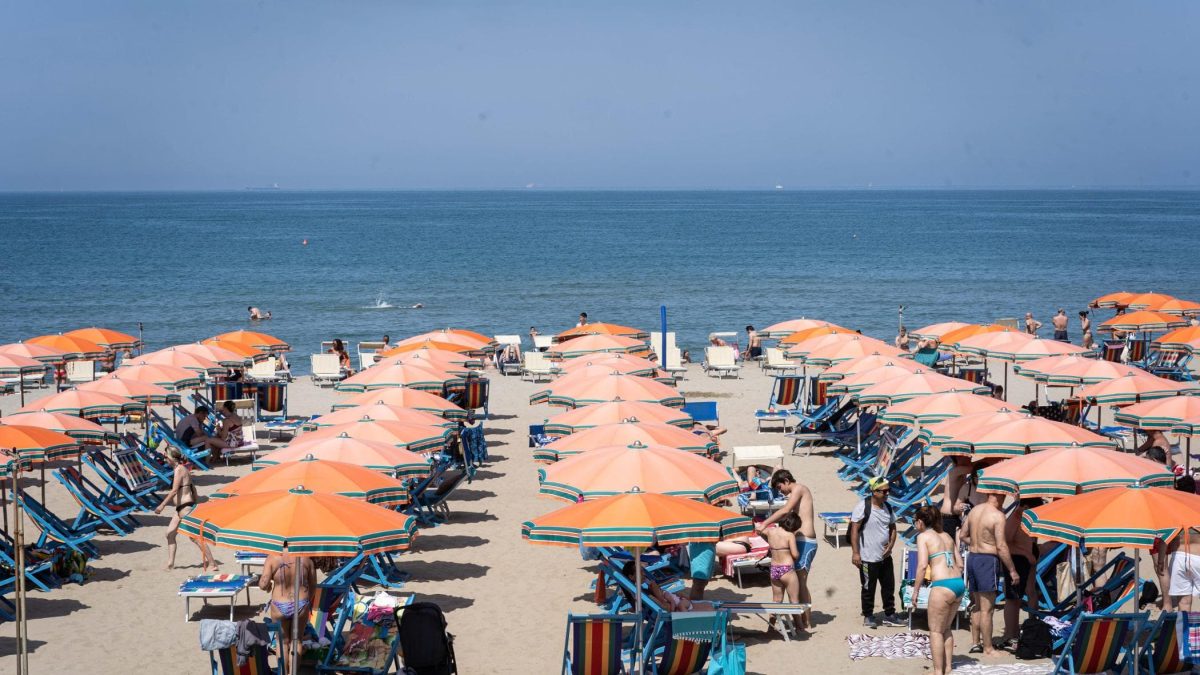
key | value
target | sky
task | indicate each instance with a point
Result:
(224, 94)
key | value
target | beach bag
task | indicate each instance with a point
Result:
(1035, 641)
(428, 649)
(1187, 634)
(727, 658)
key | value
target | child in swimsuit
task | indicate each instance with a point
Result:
(784, 554)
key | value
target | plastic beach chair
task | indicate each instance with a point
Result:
(593, 643)
(95, 509)
(54, 528)
(721, 361)
(1099, 644)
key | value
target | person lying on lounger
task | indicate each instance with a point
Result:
(666, 599)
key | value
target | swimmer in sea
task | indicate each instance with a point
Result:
(418, 306)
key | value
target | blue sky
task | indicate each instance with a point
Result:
(224, 94)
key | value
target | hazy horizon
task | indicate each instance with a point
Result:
(214, 96)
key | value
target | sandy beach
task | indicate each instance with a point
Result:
(506, 600)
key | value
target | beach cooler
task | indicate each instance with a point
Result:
(213, 586)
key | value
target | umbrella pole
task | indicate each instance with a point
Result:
(294, 657)
(636, 667)
(21, 386)
(19, 550)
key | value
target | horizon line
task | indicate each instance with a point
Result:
(538, 188)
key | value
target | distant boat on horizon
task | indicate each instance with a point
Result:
(778, 186)
(272, 186)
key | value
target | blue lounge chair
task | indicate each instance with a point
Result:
(151, 461)
(363, 654)
(158, 430)
(908, 498)
(1100, 643)
(704, 412)
(56, 529)
(139, 491)
(96, 510)
(429, 505)
(40, 573)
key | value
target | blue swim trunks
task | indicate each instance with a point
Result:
(808, 551)
(702, 557)
(983, 572)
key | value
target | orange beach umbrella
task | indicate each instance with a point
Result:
(240, 348)
(1143, 320)
(786, 328)
(856, 347)
(1032, 350)
(414, 437)
(592, 344)
(339, 478)
(937, 331)
(435, 359)
(84, 403)
(171, 377)
(106, 337)
(380, 411)
(405, 398)
(844, 369)
(374, 455)
(255, 339)
(1160, 414)
(622, 363)
(951, 338)
(1132, 516)
(1061, 472)
(1150, 301)
(1133, 388)
(809, 333)
(37, 352)
(601, 329)
(917, 383)
(616, 469)
(615, 412)
(1179, 340)
(1019, 436)
(472, 342)
(430, 345)
(182, 359)
(1180, 307)
(32, 444)
(935, 408)
(72, 347)
(414, 375)
(1112, 300)
(614, 386)
(869, 378)
(803, 348)
(75, 427)
(146, 393)
(624, 434)
(214, 352)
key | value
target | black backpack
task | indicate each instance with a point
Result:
(1036, 641)
(428, 648)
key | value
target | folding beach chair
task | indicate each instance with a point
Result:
(225, 662)
(326, 369)
(80, 371)
(470, 394)
(1098, 644)
(916, 494)
(224, 391)
(159, 431)
(907, 580)
(536, 366)
(1160, 649)
(95, 509)
(594, 643)
(776, 361)
(272, 400)
(1112, 350)
(359, 644)
(431, 508)
(139, 492)
(692, 638)
(721, 361)
(54, 528)
(507, 367)
(263, 371)
(39, 571)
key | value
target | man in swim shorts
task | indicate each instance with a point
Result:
(984, 535)
(799, 502)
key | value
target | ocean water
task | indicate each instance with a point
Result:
(186, 265)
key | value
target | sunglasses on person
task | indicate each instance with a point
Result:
(882, 491)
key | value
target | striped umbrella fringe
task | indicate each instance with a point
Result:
(1050, 489)
(637, 537)
(380, 542)
(1102, 537)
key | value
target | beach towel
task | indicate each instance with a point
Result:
(898, 646)
(1004, 669)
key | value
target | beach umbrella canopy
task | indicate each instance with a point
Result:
(1150, 301)
(1179, 307)
(1087, 371)
(402, 374)
(592, 344)
(785, 328)
(577, 376)
(182, 359)
(624, 434)
(1065, 471)
(72, 348)
(623, 363)
(377, 456)
(380, 411)
(1014, 437)
(951, 338)
(435, 359)
(414, 437)
(37, 352)
(405, 398)
(617, 469)
(260, 341)
(911, 385)
(935, 408)
(1133, 388)
(171, 377)
(1121, 516)
(1179, 340)
(430, 345)
(215, 353)
(615, 412)
(75, 427)
(303, 522)
(802, 349)
(31, 445)
(582, 391)
(844, 369)
(937, 331)
(937, 433)
(1162, 414)
(601, 329)
(1033, 350)
(1037, 369)
(318, 475)
(12, 365)
(145, 393)
(1143, 320)
(240, 348)
(84, 403)
(993, 345)
(106, 337)
(1189, 426)
(471, 342)
(1113, 300)
(856, 347)
(816, 331)
(869, 378)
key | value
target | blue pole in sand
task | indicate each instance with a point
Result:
(662, 315)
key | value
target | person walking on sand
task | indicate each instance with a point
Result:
(937, 555)
(1059, 322)
(872, 537)
(1031, 324)
(799, 502)
(984, 536)
(291, 598)
(183, 497)
(785, 580)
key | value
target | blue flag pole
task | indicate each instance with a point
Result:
(662, 315)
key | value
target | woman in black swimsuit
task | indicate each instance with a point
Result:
(183, 497)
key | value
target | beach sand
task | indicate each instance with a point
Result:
(505, 599)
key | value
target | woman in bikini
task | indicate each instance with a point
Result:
(231, 426)
(183, 497)
(785, 582)
(290, 597)
(938, 554)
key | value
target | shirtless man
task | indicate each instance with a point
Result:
(1031, 324)
(955, 490)
(1060, 325)
(279, 579)
(753, 344)
(984, 536)
(799, 502)
(257, 314)
(1023, 550)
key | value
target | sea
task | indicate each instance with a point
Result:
(180, 267)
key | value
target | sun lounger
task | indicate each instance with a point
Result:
(768, 610)
(721, 362)
(594, 644)
(285, 427)
(704, 412)
(836, 524)
(326, 369)
(543, 343)
(673, 364)
(54, 528)
(264, 371)
(140, 492)
(212, 587)
(95, 509)
(536, 367)
(429, 505)
(80, 371)
(757, 560)
(1100, 643)
(776, 362)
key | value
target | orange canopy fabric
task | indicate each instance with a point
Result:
(415, 437)
(1177, 306)
(601, 329)
(384, 412)
(952, 338)
(785, 328)
(911, 385)
(400, 374)
(182, 359)
(624, 434)
(869, 378)
(405, 398)
(800, 350)
(938, 331)
(75, 427)
(106, 337)
(925, 410)
(635, 520)
(617, 469)
(434, 359)
(144, 392)
(303, 522)
(215, 353)
(259, 341)
(1038, 368)
(71, 347)
(1062, 472)
(1134, 388)
(622, 363)
(1032, 350)
(31, 350)
(936, 434)
(1160, 414)
(240, 348)
(373, 455)
(1150, 301)
(613, 386)
(171, 377)
(1019, 437)
(615, 412)
(1115, 517)
(340, 478)
(591, 344)
(474, 342)
(428, 345)
(1087, 371)
(1179, 339)
(856, 347)
(84, 403)
(1118, 299)
(808, 333)
(844, 369)
(13, 365)
(1143, 320)
(995, 344)
(31, 445)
